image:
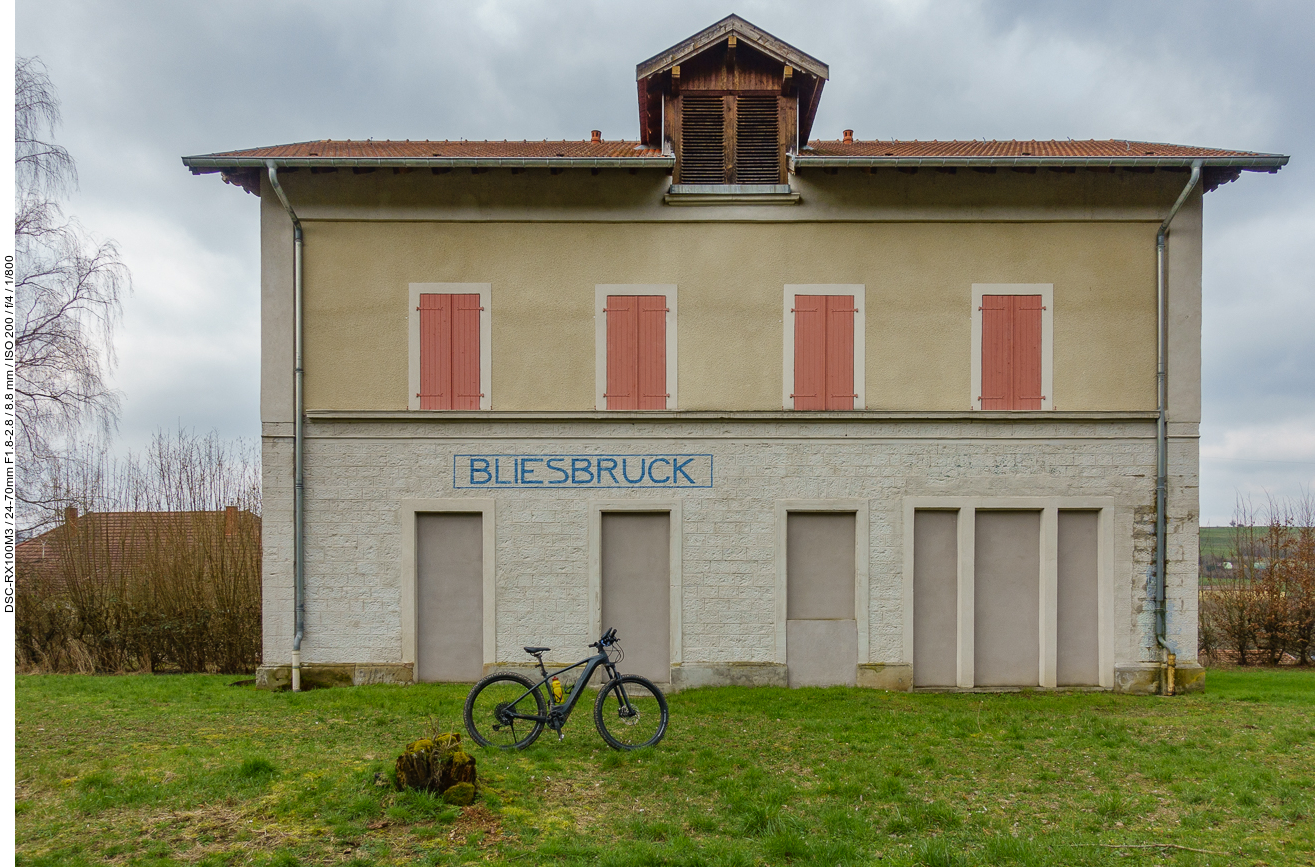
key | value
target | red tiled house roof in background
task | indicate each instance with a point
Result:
(124, 541)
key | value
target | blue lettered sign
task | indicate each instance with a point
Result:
(548, 471)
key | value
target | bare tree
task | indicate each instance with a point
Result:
(67, 288)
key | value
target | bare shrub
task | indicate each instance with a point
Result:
(1264, 610)
(157, 566)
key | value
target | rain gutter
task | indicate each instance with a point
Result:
(1260, 162)
(299, 402)
(1162, 433)
(215, 163)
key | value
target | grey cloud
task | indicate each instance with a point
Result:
(144, 83)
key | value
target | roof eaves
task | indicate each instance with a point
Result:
(777, 49)
(214, 162)
(1257, 162)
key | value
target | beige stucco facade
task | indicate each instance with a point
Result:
(729, 276)
(1090, 235)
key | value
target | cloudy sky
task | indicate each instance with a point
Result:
(144, 83)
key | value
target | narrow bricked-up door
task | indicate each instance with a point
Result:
(935, 598)
(636, 588)
(449, 597)
(821, 633)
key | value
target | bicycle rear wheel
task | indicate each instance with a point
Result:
(490, 706)
(630, 713)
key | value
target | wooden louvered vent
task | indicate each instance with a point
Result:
(702, 140)
(757, 141)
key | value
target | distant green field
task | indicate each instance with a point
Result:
(1216, 541)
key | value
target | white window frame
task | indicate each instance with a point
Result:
(601, 291)
(1047, 293)
(485, 292)
(859, 291)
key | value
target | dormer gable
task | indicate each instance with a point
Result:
(731, 103)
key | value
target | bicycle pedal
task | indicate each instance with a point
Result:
(561, 736)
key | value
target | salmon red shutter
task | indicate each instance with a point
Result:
(996, 314)
(824, 351)
(636, 352)
(449, 351)
(652, 326)
(1011, 352)
(809, 352)
(622, 352)
(465, 351)
(434, 384)
(1027, 351)
(840, 351)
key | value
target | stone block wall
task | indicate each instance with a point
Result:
(358, 472)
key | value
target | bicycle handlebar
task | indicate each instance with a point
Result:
(608, 639)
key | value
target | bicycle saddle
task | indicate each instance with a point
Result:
(535, 651)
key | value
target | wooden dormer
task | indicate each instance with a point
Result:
(731, 103)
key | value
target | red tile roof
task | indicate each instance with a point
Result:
(401, 150)
(1114, 148)
(623, 153)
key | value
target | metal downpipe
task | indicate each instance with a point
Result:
(298, 399)
(1162, 434)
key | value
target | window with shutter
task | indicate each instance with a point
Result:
(1011, 352)
(824, 352)
(730, 139)
(757, 140)
(449, 351)
(702, 140)
(636, 352)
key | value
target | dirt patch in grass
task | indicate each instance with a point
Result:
(476, 820)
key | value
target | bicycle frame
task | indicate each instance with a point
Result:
(558, 713)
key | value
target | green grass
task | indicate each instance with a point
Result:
(188, 770)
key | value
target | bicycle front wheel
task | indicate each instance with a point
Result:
(493, 709)
(630, 713)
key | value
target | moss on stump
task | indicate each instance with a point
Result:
(438, 765)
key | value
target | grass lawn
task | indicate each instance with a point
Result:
(189, 770)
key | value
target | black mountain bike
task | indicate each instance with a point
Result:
(508, 710)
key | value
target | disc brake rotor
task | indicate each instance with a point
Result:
(502, 714)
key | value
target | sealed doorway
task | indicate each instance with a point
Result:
(821, 632)
(449, 596)
(635, 566)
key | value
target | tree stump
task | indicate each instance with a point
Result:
(438, 765)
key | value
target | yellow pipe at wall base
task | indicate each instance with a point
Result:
(1169, 670)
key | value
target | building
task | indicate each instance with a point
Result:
(111, 547)
(780, 409)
